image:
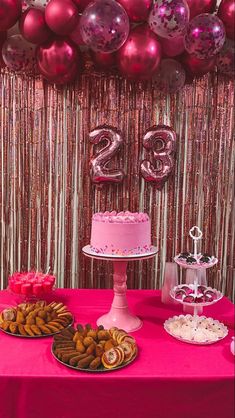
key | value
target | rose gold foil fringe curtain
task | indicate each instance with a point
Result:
(47, 198)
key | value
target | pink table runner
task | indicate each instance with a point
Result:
(168, 379)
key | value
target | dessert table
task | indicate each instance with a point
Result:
(169, 378)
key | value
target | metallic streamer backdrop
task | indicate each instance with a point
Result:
(47, 198)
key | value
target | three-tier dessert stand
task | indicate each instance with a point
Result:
(119, 314)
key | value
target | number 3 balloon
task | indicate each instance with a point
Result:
(161, 142)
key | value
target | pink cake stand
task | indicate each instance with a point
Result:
(119, 314)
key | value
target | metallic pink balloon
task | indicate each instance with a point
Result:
(170, 76)
(160, 142)
(82, 4)
(100, 173)
(104, 61)
(137, 10)
(169, 18)
(172, 47)
(226, 13)
(226, 58)
(197, 7)
(10, 11)
(75, 35)
(33, 26)
(205, 36)
(61, 16)
(18, 54)
(104, 26)
(196, 66)
(59, 60)
(140, 56)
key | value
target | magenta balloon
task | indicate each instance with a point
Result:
(140, 56)
(61, 16)
(195, 66)
(137, 10)
(59, 60)
(197, 7)
(226, 13)
(75, 35)
(205, 36)
(172, 47)
(169, 18)
(18, 54)
(10, 11)
(170, 77)
(104, 61)
(82, 4)
(104, 26)
(226, 58)
(33, 26)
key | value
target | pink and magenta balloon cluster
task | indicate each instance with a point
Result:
(163, 40)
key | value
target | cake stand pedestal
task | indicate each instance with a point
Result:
(119, 314)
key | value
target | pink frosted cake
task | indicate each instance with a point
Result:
(122, 233)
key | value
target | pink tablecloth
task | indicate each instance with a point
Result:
(168, 379)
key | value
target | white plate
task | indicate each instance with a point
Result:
(176, 288)
(198, 319)
(87, 251)
(195, 266)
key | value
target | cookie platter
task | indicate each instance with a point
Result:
(94, 350)
(195, 295)
(35, 320)
(198, 330)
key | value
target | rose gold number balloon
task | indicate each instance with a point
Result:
(100, 173)
(161, 141)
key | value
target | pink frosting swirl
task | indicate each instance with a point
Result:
(121, 217)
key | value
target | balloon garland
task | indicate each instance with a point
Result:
(168, 41)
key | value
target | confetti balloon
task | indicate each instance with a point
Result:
(10, 11)
(137, 10)
(197, 7)
(170, 77)
(59, 60)
(38, 3)
(61, 16)
(18, 54)
(226, 13)
(196, 66)
(140, 56)
(205, 36)
(172, 47)
(104, 26)
(226, 58)
(169, 18)
(33, 26)
(3, 37)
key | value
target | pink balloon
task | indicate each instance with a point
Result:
(10, 11)
(104, 26)
(205, 36)
(82, 4)
(33, 26)
(75, 35)
(169, 18)
(170, 77)
(195, 66)
(137, 10)
(226, 13)
(3, 37)
(226, 58)
(172, 47)
(163, 155)
(18, 54)
(37, 3)
(104, 61)
(100, 173)
(197, 7)
(140, 56)
(61, 16)
(59, 60)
